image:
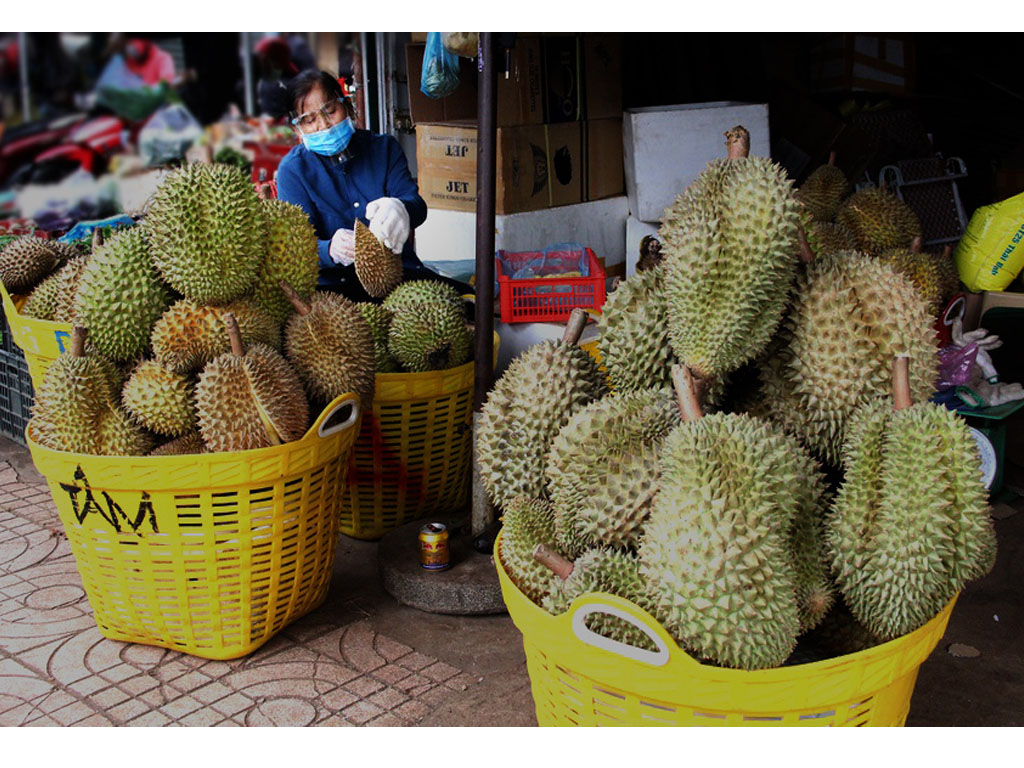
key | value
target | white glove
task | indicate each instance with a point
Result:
(343, 247)
(389, 221)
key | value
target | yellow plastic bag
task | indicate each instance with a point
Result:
(991, 252)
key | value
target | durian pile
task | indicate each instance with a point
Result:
(742, 470)
(201, 329)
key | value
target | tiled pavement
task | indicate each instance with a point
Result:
(330, 668)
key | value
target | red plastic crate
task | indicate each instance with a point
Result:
(547, 299)
(266, 157)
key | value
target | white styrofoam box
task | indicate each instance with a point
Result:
(636, 231)
(516, 338)
(665, 148)
(446, 241)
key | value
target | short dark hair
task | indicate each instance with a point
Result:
(306, 81)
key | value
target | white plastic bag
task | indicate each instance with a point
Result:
(168, 134)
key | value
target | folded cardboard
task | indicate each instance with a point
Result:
(603, 153)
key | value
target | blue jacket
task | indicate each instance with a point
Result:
(334, 194)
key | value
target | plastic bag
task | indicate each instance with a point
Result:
(956, 365)
(121, 90)
(991, 251)
(461, 43)
(558, 260)
(168, 134)
(440, 75)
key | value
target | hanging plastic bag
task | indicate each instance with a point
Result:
(168, 134)
(440, 75)
(461, 43)
(991, 251)
(956, 365)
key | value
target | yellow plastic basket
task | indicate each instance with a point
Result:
(42, 341)
(209, 554)
(413, 456)
(580, 678)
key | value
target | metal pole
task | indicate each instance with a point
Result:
(365, 84)
(486, 146)
(26, 103)
(382, 97)
(247, 70)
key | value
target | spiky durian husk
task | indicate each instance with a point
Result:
(829, 237)
(65, 252)
(291, 255)
(603, 468)
(187, 444)
(526, 523)
(42, 302)
(716, 550)
(878, 220)
(68, 279)
(24, 262)
(379, 320)
(851, 315)
(188, 336)
(429, 336)
(332, 349)
(71, 400)
(815, 590)
(922, 269)
(208, 232)
(241, 401)
(534, 398)
(840, 633)
(823, 191)
(949, 276)
(604, 570)
(730, 243)
(160, 400)
(120, 296)
(419, 292)
(910, 524)
(118, 435)
(378, 268)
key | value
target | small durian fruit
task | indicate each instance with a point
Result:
(188, 444)
(416, 292)
(910, 525)
(824, 190)
(73, 398)
(378, 268)
(610, 571)
(117, 434)
(331, 347)
(120, 296)
(248, 399)
(430, 336)
(840, 634)
(949, 276)
(379, 320)
(922, 269)
(161, 400)
(878, 220)
(725, 305)
(68, 279)
(188, 336)
(534, 398)
(24, 262)
(291, 256)
(829, 237)
(42, 301)
(527, 522)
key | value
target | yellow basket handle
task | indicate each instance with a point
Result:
(324, 428)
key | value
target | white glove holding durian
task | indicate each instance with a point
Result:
(343, 247)
(389, 222)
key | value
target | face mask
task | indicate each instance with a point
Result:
(330, 141)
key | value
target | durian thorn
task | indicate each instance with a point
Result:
(686, 392)
(574, 328)
(917, 244)
(806, 254)
(268, 425)
(901, 382)
(832, 158)
(737, 140)
(78, 336)
(292, 295)
(97, 238)
(646, 500)
(234, 334)
(553, 561)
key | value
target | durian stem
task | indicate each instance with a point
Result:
(290, 293)
(832, 158)
(574, 328)
(917, 244)
(947, 251)
(234, 334)
(552, 560)
(78, 335)
(806, 254)
(686, 393)
(97, 238)
(737, 140)
(901, 382)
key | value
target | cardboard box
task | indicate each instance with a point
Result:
(603, 152)
(520, 95)
(560, 55)
(665, 148)
(602, 75)
(881, 63)
(459, 105)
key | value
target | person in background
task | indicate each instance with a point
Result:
(274, 58)
(339, 174)
(149, 61)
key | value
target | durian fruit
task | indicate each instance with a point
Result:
(208, 232)
(24, 262)
(717, 549)
(603, 466)
(65, 252)
(379, 320)
(850, 314)
(291, 255)
(188, 444)
(730, 243)
(249, 398)
(823, 191)
(828, 237)
(534, 398)
(188, 336)
(416, 292)
(117, 434)
(949, 276)
(73, 398)
(430, 336)
(160, 400)
(68, 279)
(42, 302)
(527, 522)
(120, 296)
(602, 570)
(331, 347)
(815, 590)
(910, 524)
(878, 220)
(922, 269)
(840, 634)
(378, 268)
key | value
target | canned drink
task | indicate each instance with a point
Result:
(434, 555)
